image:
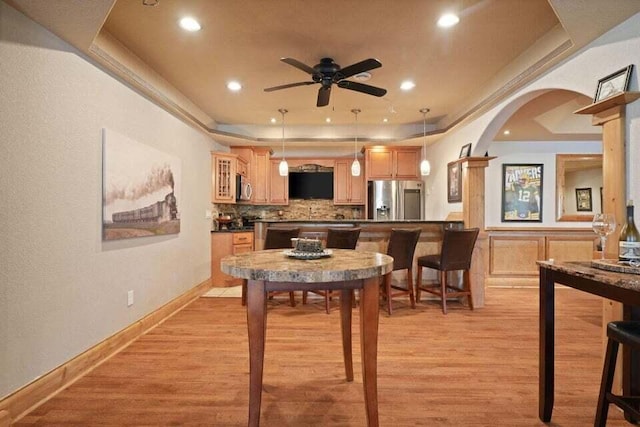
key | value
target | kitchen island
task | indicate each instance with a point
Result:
(374, 236)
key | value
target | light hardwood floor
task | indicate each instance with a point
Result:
(467, 368)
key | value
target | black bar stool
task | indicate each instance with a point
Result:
(456, 252)
(402, 246)
(276, 238)
(337, 238)
(625, 333)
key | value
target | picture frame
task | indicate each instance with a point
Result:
(583, 200)
(601, 203)
(522, 192)
(454, 182)
(465, 151)
(613, 84)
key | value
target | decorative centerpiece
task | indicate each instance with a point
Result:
(306, 245)
(307, 249)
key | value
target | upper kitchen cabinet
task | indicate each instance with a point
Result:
(278, 185)
(245, 157)
(347, 189)
(392, 163)
(223, 177)
(259, 176)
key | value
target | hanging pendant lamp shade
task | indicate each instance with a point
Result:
(355, 166)
(283, 168)
(425, 166)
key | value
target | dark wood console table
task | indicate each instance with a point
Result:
(621, 287)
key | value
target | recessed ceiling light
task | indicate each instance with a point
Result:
(328, 120)
(407, 85)
(506, 132)
(448, 20)
(385, 120)
(273, 120)
(234, 86)
(189, 24)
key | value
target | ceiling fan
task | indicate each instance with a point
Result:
(328, 72)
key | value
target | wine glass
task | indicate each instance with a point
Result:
(603, 225)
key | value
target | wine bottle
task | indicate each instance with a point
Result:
(629, 250)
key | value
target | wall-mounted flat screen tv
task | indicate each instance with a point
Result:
(311, 185)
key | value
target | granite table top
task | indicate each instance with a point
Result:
(586, 270)
(275, 266)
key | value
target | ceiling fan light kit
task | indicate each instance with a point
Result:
(327, 72)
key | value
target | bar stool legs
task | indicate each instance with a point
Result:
(626, 333)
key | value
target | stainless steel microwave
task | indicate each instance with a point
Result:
(243, 188)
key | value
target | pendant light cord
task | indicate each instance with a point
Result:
(283, 112)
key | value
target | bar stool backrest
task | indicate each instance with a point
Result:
(280, 238)
(457, 248)
(342, 238)
(402, 245)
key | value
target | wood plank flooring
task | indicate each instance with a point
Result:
(467, 368)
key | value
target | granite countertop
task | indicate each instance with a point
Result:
(342, 221)
(274, 266)
(585, 269)
(235, 230)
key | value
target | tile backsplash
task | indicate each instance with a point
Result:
(296, 210)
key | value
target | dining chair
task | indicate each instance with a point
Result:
(402, 246)
(456, 253)
(276, 238)
(337, 238)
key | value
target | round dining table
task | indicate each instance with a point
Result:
(337, 269)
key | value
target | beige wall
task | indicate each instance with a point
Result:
(62, 289)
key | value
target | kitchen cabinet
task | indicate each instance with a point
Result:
(259, 174)
(392, 163)
(347, 189)
(278, 185)
(222, 245)
(223, 178)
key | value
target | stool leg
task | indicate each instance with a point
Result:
(327, 295)
(410, 286)
(607, 381)
(418, 283)
(467, 287)
(443, 290)
(387, 283)
(292, 299)
(244, 292)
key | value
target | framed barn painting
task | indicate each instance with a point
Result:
(522, 192)
(141, 189)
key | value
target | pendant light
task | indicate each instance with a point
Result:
(425, 166)
(284, 166)
(355, 166)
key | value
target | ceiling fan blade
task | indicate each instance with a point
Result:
(323, 96)
(359, 67)
(361, 87)
(299, 65)
(271, 89)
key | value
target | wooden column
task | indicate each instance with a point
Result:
(610, 114)
(473, 170)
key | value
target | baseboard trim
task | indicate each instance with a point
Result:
(29, 397)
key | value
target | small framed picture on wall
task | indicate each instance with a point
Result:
(583, 200)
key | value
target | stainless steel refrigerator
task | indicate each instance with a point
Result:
(395, 200)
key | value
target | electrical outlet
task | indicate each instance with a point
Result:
(129, 298)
